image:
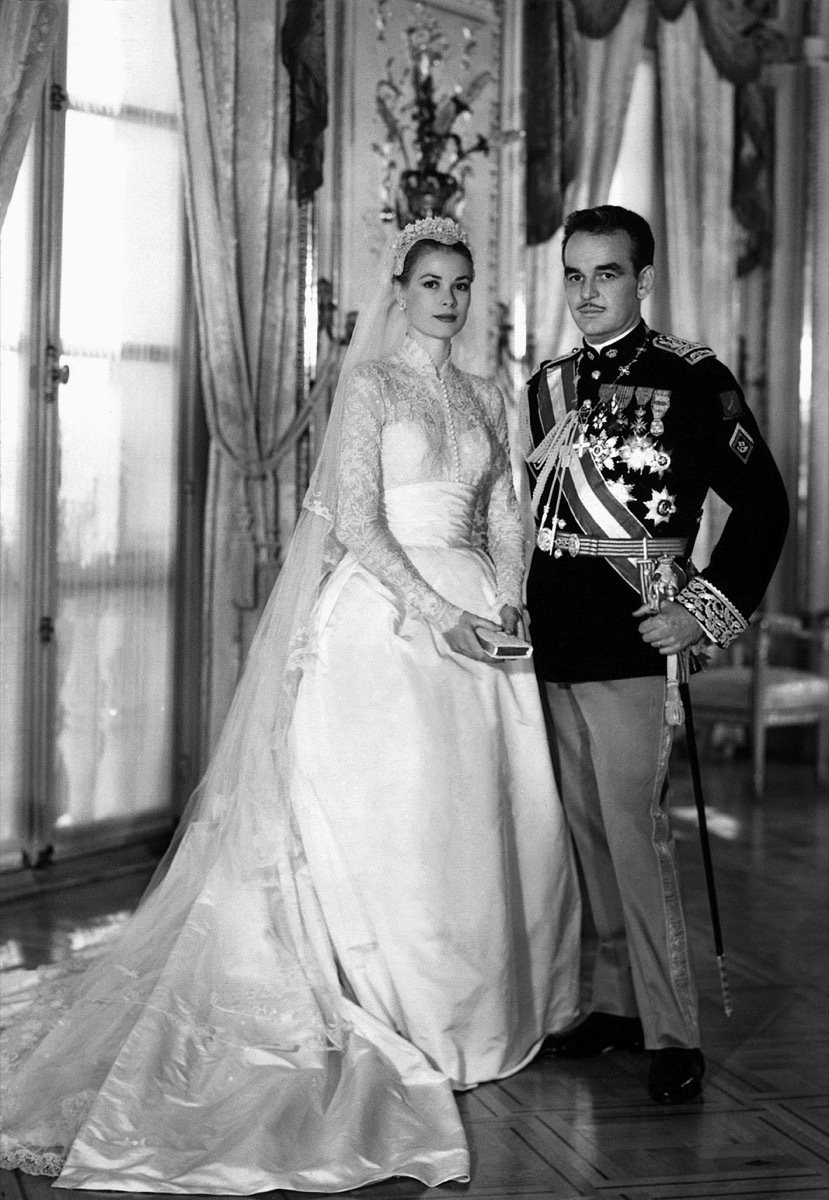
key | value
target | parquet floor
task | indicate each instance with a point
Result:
(558, 1131)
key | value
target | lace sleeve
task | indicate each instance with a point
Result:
(505, 532)
(361, 525)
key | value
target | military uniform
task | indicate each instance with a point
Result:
(624, 443)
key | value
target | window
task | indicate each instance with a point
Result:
(91, 259)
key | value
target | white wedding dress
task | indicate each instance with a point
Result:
(418, 916)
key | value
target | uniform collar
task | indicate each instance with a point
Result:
(621, 348)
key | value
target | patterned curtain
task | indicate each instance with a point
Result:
(697, 111)
(27, 35)
(242, 220)
(607, 68)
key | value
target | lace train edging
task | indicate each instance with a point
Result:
(48, 1163)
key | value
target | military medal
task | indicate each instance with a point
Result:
(638, 440)
(661, 506)
(660, 404)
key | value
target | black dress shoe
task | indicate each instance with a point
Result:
(597, 1034)
(676, 1075)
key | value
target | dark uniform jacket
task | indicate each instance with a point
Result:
(659, 436)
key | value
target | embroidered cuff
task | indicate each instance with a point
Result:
(714, 611)
(444, 616)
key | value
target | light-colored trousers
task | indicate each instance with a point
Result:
(610, 748)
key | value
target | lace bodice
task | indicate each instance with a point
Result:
(406, 421)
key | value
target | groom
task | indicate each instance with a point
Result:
(652, 422)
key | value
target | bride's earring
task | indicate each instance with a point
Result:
(401, 304)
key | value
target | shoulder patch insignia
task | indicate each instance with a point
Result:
(742, 443)
(693, 351)
(732, 405)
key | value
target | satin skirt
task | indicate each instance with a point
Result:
(426, 880)
(429, 813)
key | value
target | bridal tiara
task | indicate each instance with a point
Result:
(435, 229)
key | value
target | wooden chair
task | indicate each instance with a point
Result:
(748, 691)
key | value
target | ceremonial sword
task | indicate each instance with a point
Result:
(659, 583)
(705, 845)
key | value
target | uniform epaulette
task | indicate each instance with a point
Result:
(692, 352)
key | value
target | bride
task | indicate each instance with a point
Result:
(370, 902)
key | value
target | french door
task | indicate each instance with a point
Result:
(93, 405)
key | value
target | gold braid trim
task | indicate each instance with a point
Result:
(716, 614)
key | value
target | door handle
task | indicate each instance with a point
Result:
(54, 373)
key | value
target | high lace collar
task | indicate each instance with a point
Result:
(413, 354)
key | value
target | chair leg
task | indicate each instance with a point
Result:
(758, 756)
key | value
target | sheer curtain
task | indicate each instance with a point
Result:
(605, 82)
(697, 113)
(27, 35)
(117, 496)
(243, 228)
(89, 493)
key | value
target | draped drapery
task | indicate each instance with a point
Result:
(242, 220)
(27, 35)
(697, 107)
(551, 94)
(753, 192)
(303, 53)
(733, 33)
(697, 114)
(606, 71)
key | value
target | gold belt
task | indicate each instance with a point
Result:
(639, 548)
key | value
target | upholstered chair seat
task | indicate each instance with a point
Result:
(749, 691)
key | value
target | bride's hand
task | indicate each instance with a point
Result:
(511, 619)
(463, 639)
